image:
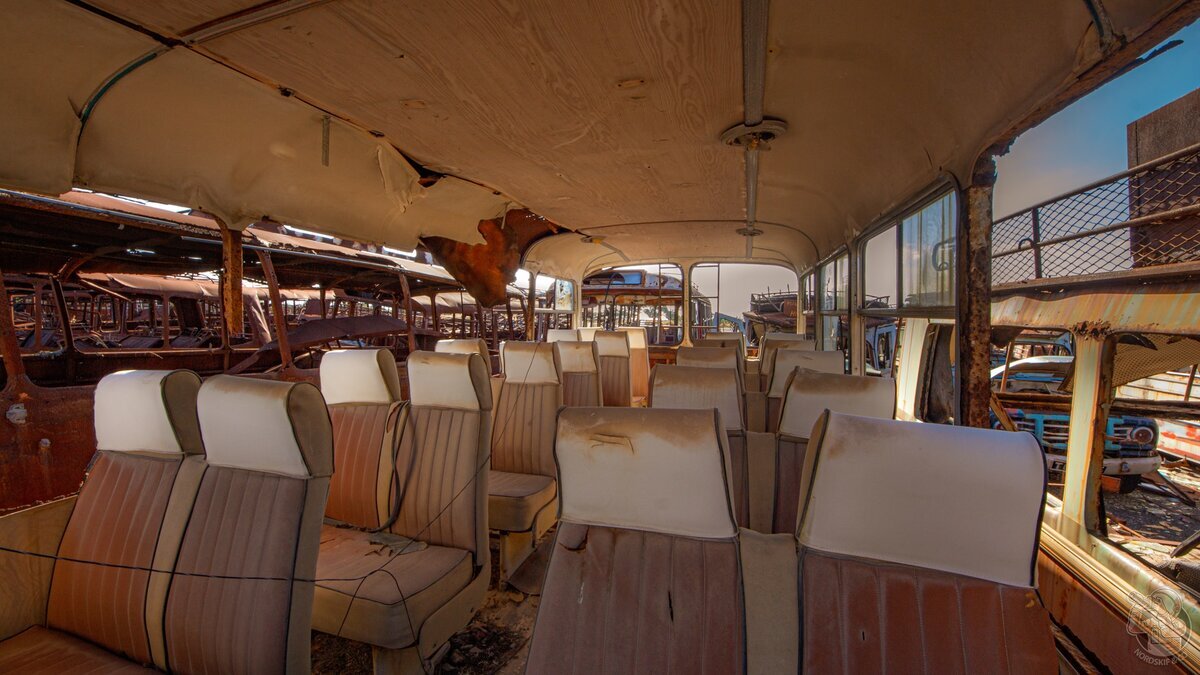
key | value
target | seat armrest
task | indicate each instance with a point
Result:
(760, 484)
(756, 411)
(25, 591)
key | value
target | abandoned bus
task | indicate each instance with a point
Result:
(349, 336)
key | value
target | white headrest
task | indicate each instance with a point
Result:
(686, 388)
(476, 346)
(577, 357)
(708, 357)
(643, 469)
(266, 425)
(588, 334)
(148, 411)
(562, 335)
(787, 360)
(955, 499)
(529, 363)
(449, 381)
(812, 393)
(612, 342)
(359, 376)
(637, 336)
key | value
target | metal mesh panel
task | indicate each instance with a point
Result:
(1140, 218)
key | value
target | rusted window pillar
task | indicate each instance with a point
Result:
(9, 346)
(531, 309)
(1091, 397)
(973, 295)
(231, 265)
(281, 333)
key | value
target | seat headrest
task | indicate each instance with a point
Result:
(688, 388)
(773, 342)
(955, 499)
(529, 363)
(587, 334)
(266, 425)
(562, 335)
(467, 346)
(577, 357)
(644, 469)
(812, 393)
(787, 360)
(720, 341)
(359, 376)
(612, 342)
(148, 411)
(637, 336)
(443, 380)
(708, 357)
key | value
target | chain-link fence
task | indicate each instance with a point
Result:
(1149, 215)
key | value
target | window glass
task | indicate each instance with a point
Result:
(879, 270)
(927, 254)
(650, 296)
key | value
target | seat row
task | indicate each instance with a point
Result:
(914, 552)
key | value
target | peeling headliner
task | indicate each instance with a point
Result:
(605, 113)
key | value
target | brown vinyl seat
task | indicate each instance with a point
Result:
(362, 391)
(809, 393)
(644, 573)
(405, 592)
(783, 363)
(615, 370)
(934, 572)
(639, 363)
(522, 490)
(562, 335)
(692, 388)
(580, 365)
(131, 511)
(269, 450)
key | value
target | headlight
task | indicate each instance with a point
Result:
(1141, 435)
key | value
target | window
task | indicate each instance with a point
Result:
(879, 270)
(834, 288)
(747, 298)
(650, 296)
(927, 254)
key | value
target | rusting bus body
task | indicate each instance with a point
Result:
(273, 398)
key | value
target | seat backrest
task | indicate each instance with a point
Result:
(646, 553)
(130, 512)
(809, 394)
(362, 390)
(615, 380)
(580, 364)
(639, 360)
(562, 335)
(587, 334)
(709, 357)
(463, 346)
(250, 547)
(926, 525)
(532, 393)
(722, 341)
(787, 360)
(689, 388)
(773, 342)
(443, 455)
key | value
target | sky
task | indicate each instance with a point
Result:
(1086, 141)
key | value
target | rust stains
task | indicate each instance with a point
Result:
(486, 269)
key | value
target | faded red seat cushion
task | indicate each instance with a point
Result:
(44, 650)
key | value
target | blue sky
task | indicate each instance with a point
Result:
(1086, 141)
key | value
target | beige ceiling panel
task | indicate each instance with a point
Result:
(453, 208)
(183, 129)
(586, 112)
(882, 97)
(174, 18)
(55, 57)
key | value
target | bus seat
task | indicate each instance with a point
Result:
(691, 388)
(733, 341)
(580, 363)
(615, 369)
(773, 342)
(588, 334)
(467, 346)
(408, 606)
(269, 449)
(708, 357)
(639, 363)
(522, 486)
(362, 392)
(562, 335)
(934, 573)
(644, 571)
(783, 363)
(810, 393)
(130, 511)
